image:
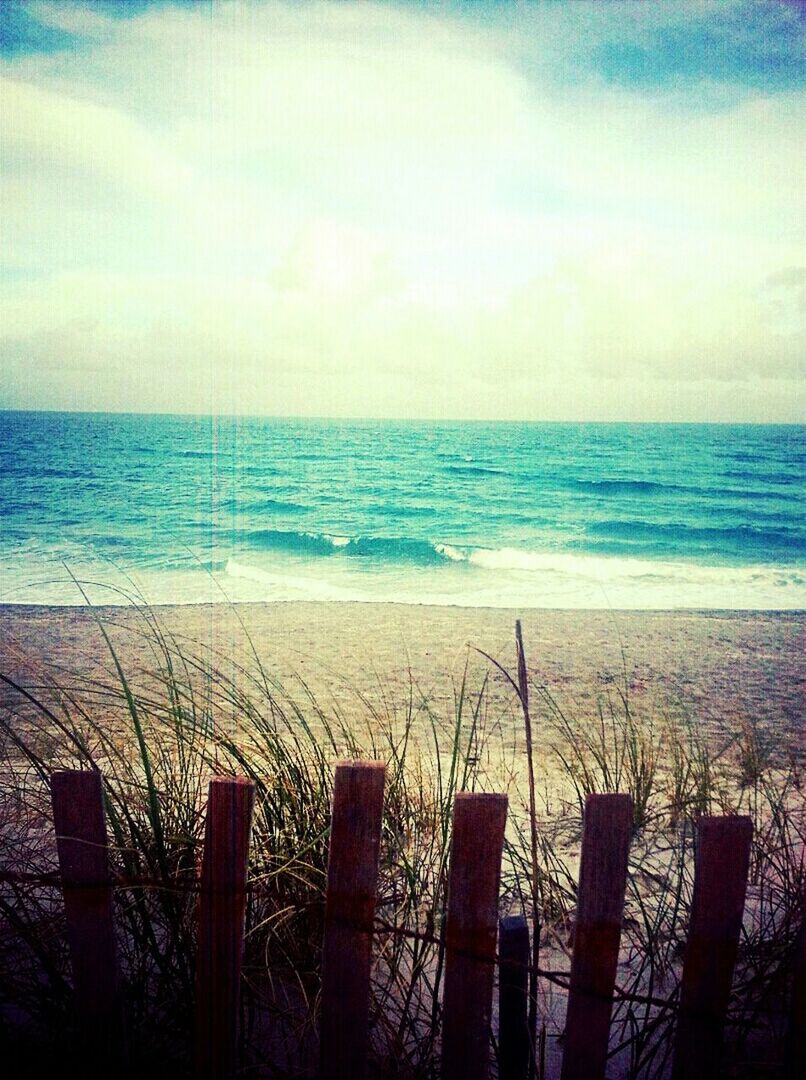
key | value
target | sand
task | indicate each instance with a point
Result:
(719, 668)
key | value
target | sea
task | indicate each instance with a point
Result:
(124, 508)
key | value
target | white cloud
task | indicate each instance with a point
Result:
(357, 208)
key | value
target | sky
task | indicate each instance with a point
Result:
(548, 211)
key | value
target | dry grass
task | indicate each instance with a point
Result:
(158, 734)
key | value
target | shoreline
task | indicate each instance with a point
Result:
(180, 605)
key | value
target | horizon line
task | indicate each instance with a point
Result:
(400, 419)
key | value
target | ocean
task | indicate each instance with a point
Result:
(121, 508)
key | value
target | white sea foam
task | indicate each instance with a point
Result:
(610, 568)
(451, 552)
(285, 586)
(514, 579)
(470, 577)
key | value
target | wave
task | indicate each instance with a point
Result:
(504, 577)
(303, 543)
(521, 580)
(747, 493)
(413, 511)
(422, 552)
(36, 471)
(614, 537)
(607, 488)
(256, 504)
(262, 471)
(782, 478)
(655, 487)
(605, 568)
(724, 540)
(390, 549)
(624, 487)
(474, 470)
(283, 505)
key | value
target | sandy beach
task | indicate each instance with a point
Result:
(718, 668)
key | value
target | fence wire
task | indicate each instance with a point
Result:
(560, 978)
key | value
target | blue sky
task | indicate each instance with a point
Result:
(749, 45)
(563, 210)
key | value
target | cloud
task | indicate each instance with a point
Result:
(370, 208)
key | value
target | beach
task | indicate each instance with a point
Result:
(720, 669)
(402, 546)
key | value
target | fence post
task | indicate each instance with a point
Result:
(475, 875)
(83, 853)
(597, 932)
(222, 906)
(720, 883)
(352, 876)
(513, 998)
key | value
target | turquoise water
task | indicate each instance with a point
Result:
(190, 509)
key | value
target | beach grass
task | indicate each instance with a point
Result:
(158, 729)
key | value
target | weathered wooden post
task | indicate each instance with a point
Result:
(82, 849)
(222, 907)
(513, 998)
(720, 883)
(475, 876)
(352, 875)
(597, 934)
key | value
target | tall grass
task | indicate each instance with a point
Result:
(159, 731)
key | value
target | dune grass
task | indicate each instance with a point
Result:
(159, 732)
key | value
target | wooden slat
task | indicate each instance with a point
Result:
(475, 875)
(82, 849)
(222, 905)
(597, 933)
(720, 883)
(513, 998)
(352, 874)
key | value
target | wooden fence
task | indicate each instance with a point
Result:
(472, 930)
